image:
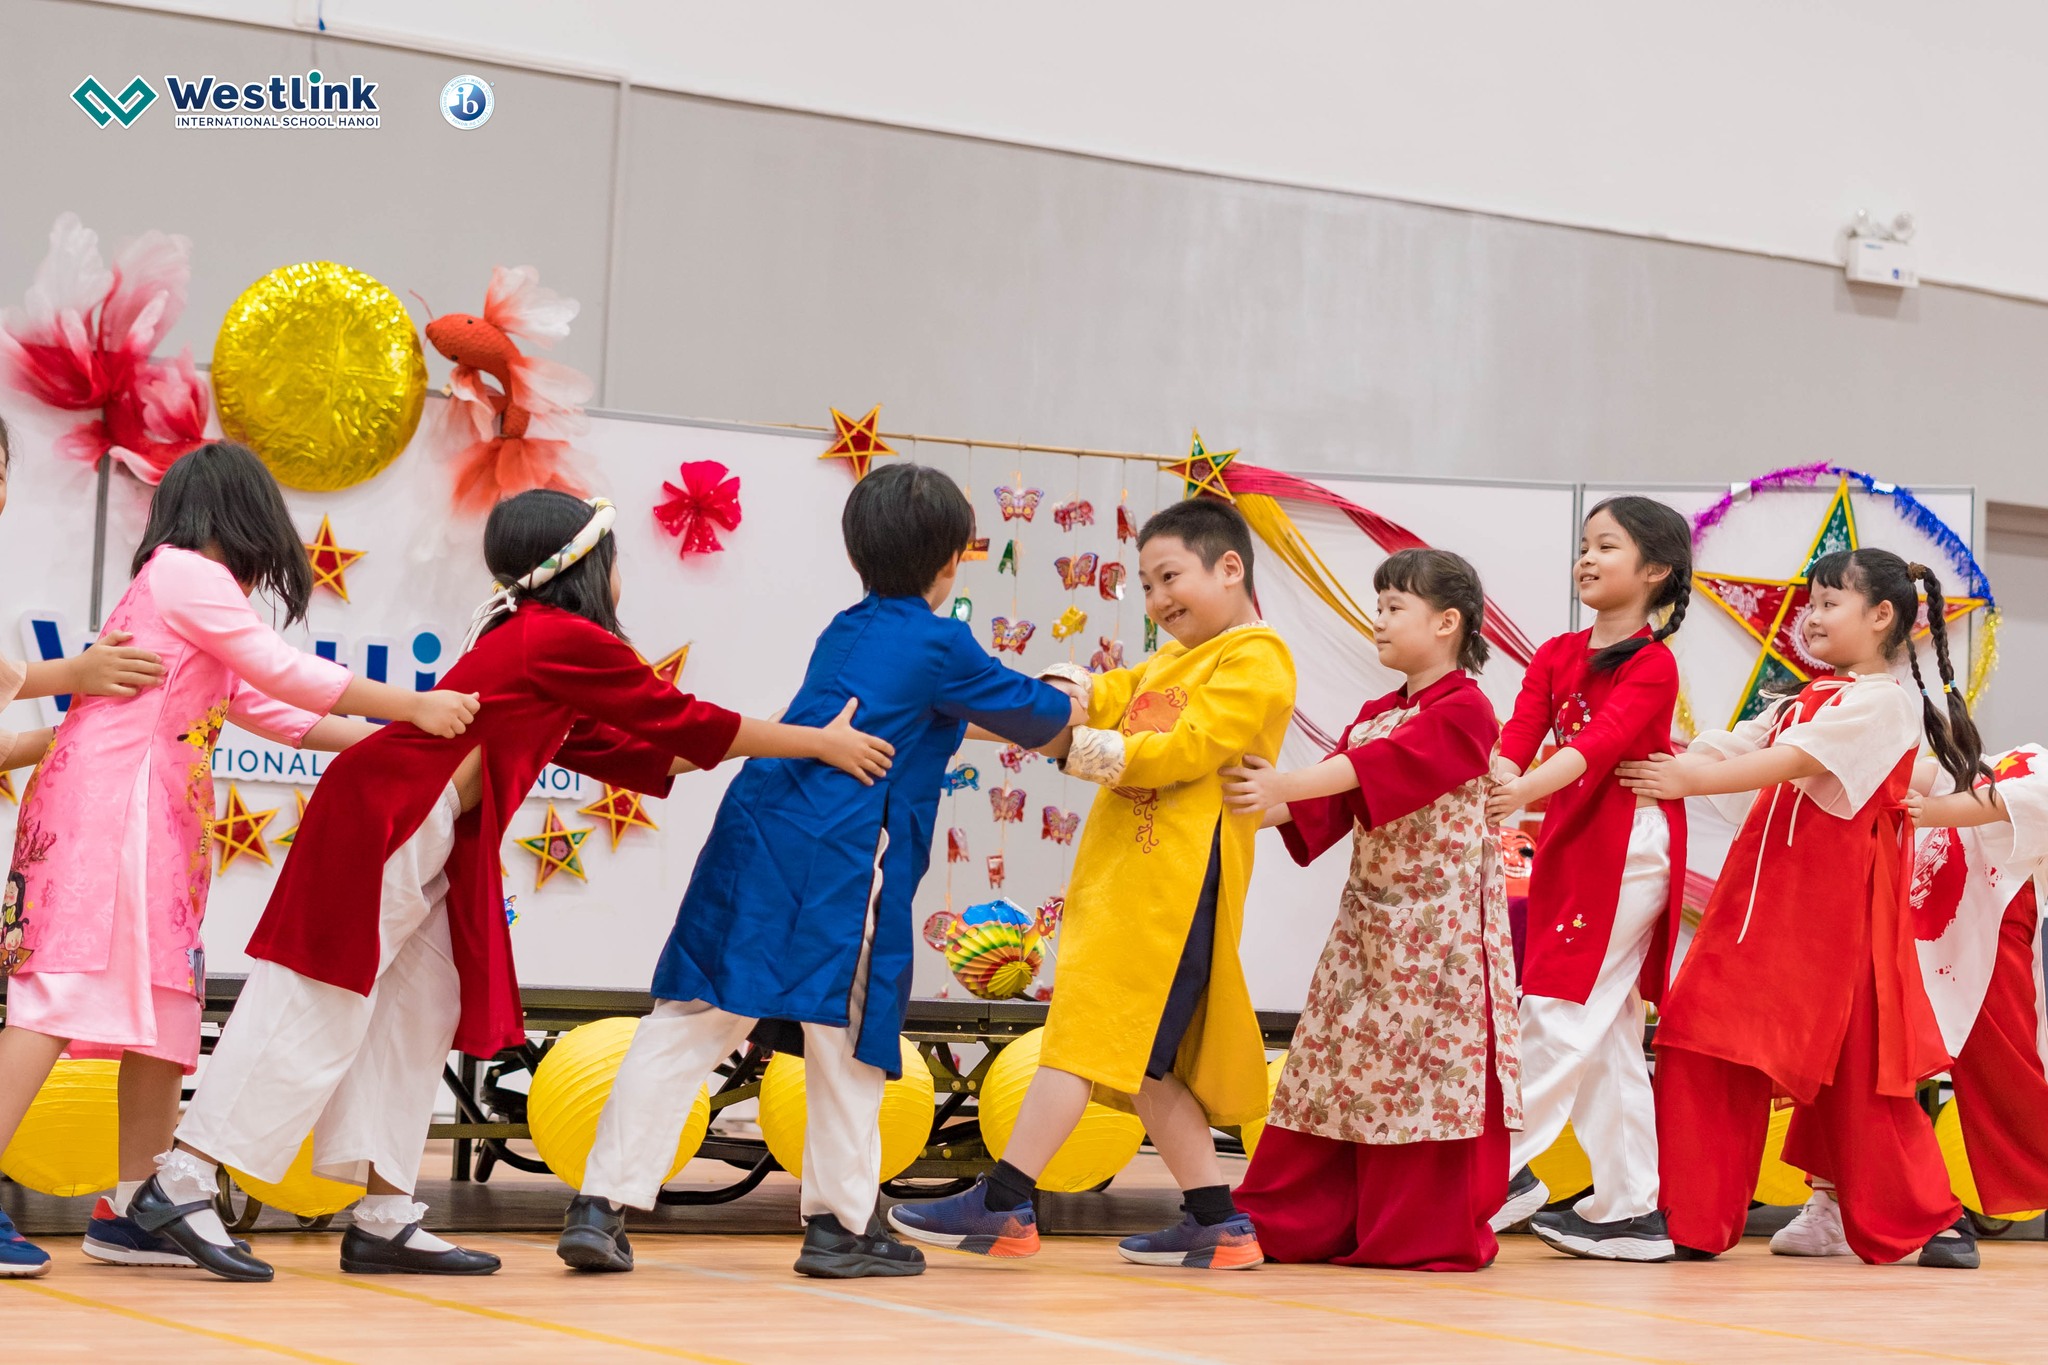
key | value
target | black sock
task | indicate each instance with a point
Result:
(1209, 1205)
(1008, 1188)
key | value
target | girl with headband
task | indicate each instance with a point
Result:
(385, 943)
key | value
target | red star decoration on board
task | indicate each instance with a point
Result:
(857, 442)
(670, 669)
(620, 809)
(1773, 610)
(239, 830)
(559, 848)
(1202, 471)
(330, 561)
(285, 839)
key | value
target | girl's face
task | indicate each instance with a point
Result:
(1412, 636)
(1610, 573)
(1844, 628)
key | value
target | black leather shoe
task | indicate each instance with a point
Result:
(363, 1254)
(594, 1236)
(154, 1211)
(832, 1253)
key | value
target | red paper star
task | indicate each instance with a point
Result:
(330, 561)
(286, 839)
(239, 830)
(670, 669)
(620, 810)
(559, 848)
(857, 442)
(1202, 471)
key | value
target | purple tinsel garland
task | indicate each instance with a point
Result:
(1916, 512)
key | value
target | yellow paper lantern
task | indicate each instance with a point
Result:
(1250, 1133)
(318, 369)
(1948, 1131)
(570, 1087)
(69, 1141)
(1564, 1169)
(1777, 1183)
(907, 1104)
(301, 1192)
(1102, 1144)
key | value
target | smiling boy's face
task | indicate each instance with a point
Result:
(1191, 601)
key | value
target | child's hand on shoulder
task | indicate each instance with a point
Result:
(1254, 787)
(1503, 771)
(860, 755)
(107, 669)
(1661, 777)
(444, 713)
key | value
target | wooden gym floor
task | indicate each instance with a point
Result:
(729, 1296)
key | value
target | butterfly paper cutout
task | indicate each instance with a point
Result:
(1077, 571)
(1007, 803)
(1077, 513)
(956, 845)
(1072, 622)
(1019, 502)
(1013, 637)
(1013, 756)
(1126, 529)
(1111, 585)
(1110, 655)
(966, 777)
(1060, 825)
(995, 871)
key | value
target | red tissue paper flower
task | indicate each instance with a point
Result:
(709, 498)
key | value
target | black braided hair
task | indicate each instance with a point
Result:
(1662, 537)
(1881, 576)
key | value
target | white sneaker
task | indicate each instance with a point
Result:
(1815, 1231)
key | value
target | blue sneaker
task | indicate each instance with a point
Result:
(20, 1258)
(116, 1240)
(966, 1223)
(1229, 1245)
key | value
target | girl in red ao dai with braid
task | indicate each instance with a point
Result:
(1804, 978)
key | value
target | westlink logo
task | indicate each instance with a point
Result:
(308, 101)
(103, 108)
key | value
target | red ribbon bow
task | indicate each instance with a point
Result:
(709, 498)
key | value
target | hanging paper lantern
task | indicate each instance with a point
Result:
(1079, 512)
(1076, 571)
(939, 928)
(1006, 804)
(1102, 1143)
(1019, 503)
(1777, 1183)
(1003, 634)
(317, 369)
(956, 845)
(1251, 1132)
(69, 1140)
(907, 1105)
(976, 549)
(966, 777)
(300, 1192)
(1008, 563)
(1059, 825)
(1012, 756)
(1126, 528)
(1948, 1131)
(1564, 1169)
(1111, 582)
(995, 872)
(1109, 655)
(568, 1093)
(994, 950)
(963, 609)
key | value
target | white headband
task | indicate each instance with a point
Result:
(505, 596)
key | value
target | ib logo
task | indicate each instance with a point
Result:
(466, 102)
(103, 107)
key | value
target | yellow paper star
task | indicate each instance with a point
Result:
(7, 788)
(620, 810)
(330, 561)
(670, 669)
(857, 442)
(559, 849)
(239, 830)
(285, 839)
(1202, 471)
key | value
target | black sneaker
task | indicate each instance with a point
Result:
(1682, 1253)
(1953, 1248)
(594, 1236)
(1526, 1194)
(1642, 1238)
(832, 1253)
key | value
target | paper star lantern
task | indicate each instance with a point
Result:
(1773, 611)
(559, 848)
(286, 839)
(239, 830)
(620, 809)
(857, 442)
(670, 669)
(330, 561)
(1202, 471)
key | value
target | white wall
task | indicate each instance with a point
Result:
(1743, 123)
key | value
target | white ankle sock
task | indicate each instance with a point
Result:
(184, 1179)
(387, 1215)
(123, 1192)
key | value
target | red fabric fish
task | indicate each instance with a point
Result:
(519, 432)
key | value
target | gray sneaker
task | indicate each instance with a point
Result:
(1642, 1238)
(594, 1236)
(1953, 1248)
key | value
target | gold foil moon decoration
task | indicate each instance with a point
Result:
(318, 370)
